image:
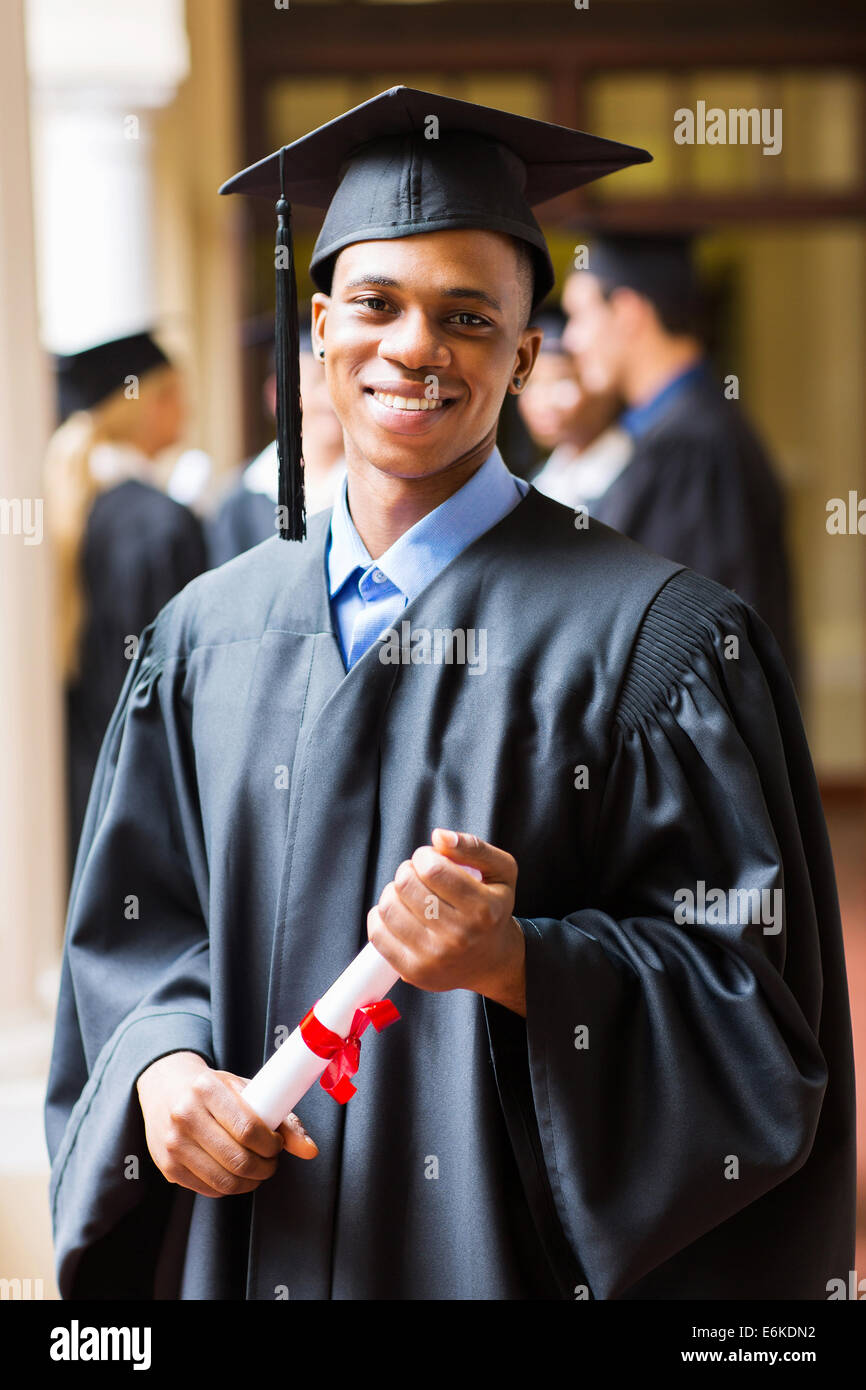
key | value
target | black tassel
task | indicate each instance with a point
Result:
(290, 495)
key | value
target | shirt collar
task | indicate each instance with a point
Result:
(347, 552)
(640, 418)
(420, 553)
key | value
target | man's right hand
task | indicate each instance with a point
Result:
(202, 1134)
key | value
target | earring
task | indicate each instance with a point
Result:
(517, 382)
(321, 352)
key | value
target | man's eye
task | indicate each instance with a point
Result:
(467, 320)
(371, 301)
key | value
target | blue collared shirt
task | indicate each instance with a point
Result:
(640, 418)
(368, 596)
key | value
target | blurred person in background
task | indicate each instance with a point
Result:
(247, 515)
(122, 547)
(190, 480)
(577, 428)
(700, 487)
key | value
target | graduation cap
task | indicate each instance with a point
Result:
(403, 163)
(86, 378)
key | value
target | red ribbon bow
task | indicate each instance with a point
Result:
(344, 1054)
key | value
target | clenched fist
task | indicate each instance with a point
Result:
(442, 929)
(202, 1134)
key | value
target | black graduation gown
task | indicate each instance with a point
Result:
(140, 548)
(561, 1168)
(701, 490)
(243, 519)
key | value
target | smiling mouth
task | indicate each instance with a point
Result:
(408, 404)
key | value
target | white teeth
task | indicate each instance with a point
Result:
(406, 403)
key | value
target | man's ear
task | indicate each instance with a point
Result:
(631, 310)
(527, 351)
(319, 311)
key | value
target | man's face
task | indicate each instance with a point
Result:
(322, 429)
(422, 339)
(551, 403)
(166, 409)
(595, 333)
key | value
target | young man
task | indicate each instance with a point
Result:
(700, 487)
(623, 1067)
(587, 448)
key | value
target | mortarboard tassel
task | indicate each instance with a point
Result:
(290, 496)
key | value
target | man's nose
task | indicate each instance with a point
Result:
(416, 341)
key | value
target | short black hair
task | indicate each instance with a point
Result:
(525, 279)
(550, 318)
(659, 267)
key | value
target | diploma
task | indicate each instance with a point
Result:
(286, 1077)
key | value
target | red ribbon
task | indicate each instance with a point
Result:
(344, 1054)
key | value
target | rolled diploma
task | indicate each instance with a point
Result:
(288, 1075)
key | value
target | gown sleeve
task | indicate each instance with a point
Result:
(702, 1037)
(134, 983)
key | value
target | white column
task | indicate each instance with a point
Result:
(31, 768)
(100, 71)
(93, 201)
(198, 234)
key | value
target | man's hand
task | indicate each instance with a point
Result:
(202, 1134)
(444, 930)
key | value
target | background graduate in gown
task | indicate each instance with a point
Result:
(123, 547)
(700, 487)
(624, 1064)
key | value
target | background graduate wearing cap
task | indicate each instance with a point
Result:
(123, 548)
(700, 487)
(581, 1059)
